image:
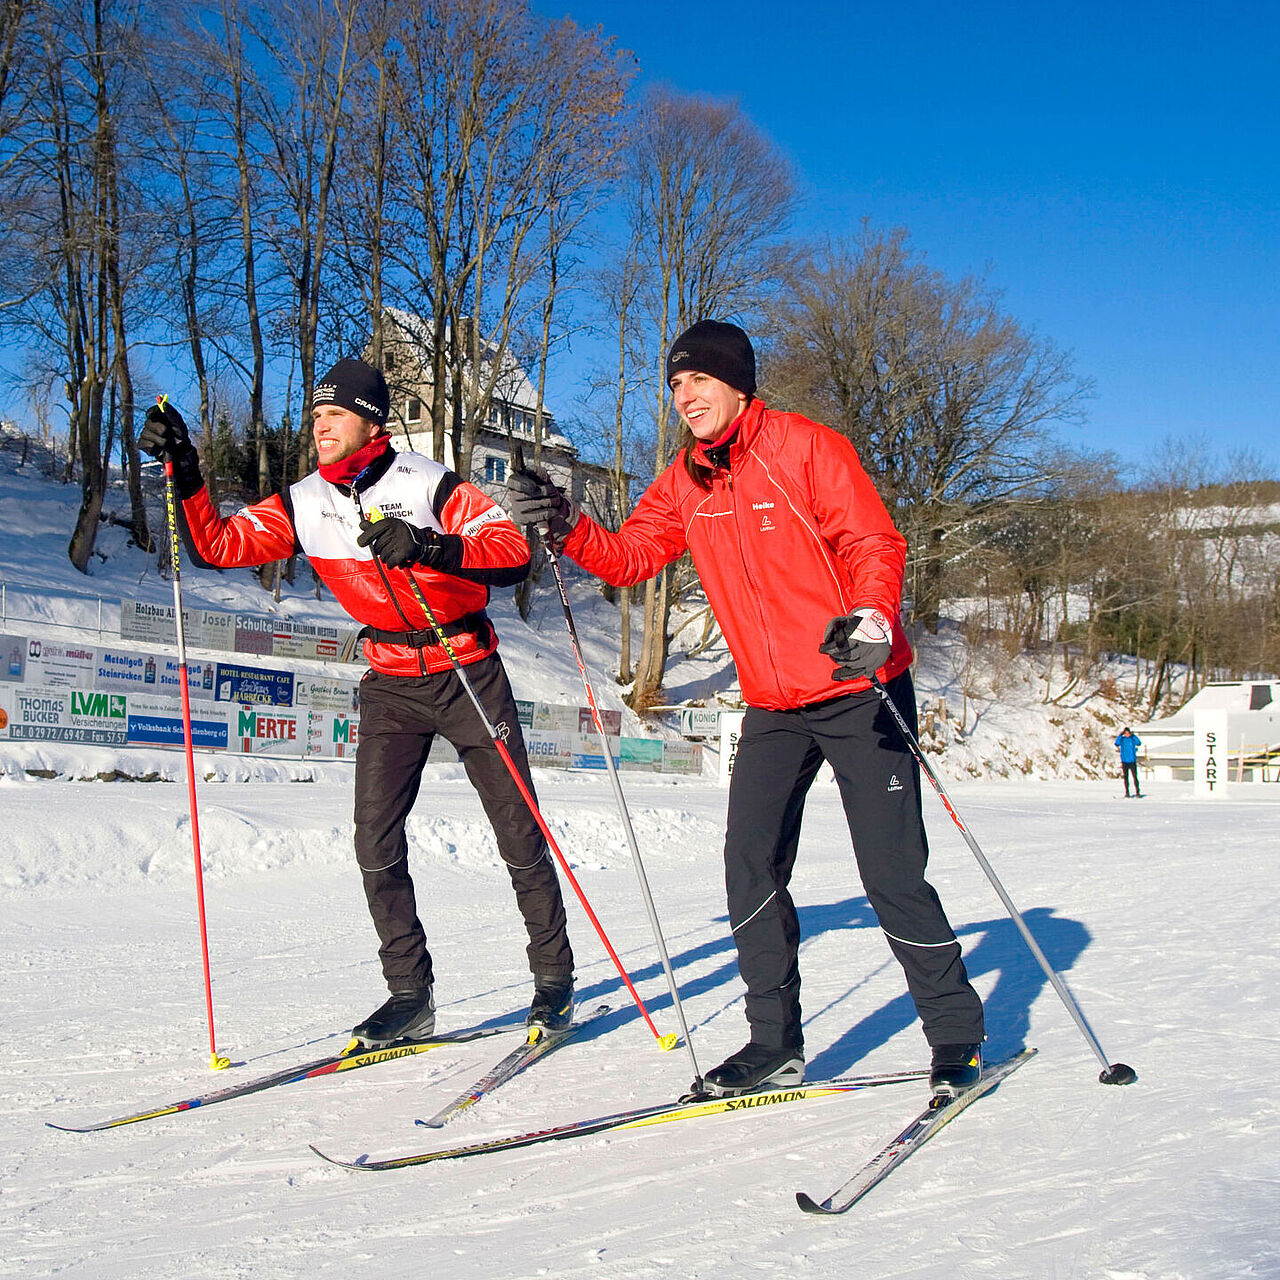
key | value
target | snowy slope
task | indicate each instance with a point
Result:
(1159, 914)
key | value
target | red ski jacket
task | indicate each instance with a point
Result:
(322, 521)
(791, 534)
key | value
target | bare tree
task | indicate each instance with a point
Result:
(505, 125)
(712, 197)
(947, 398)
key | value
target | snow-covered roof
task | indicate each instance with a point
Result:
(512, 386)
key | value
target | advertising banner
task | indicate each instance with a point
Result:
(551, 715)
(588, 751)
(253, 684)
(548, 749)
(699, 722)
(59, 666)
(13, 658)
(681, 757)
(69, 715)
(641, 755)
(326, 694)
(332, 734)
(310, 640)
(611, 720)
(254, 635)
(273, 731)
(157, 722)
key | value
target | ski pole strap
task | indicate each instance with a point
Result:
(469, 622)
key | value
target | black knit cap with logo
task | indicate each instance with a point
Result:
(354, 385)
(722, 350)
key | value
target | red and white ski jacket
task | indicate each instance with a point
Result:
(791, 534)
(322, 521)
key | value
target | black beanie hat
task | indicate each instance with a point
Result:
(722, 350)
(354, 385)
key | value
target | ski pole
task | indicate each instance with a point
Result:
(1113, 1072)
(216, 1061)
(612, 769)
(497, 734)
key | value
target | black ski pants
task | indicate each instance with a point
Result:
(1129, 769)
(779, 754)
(399, 718)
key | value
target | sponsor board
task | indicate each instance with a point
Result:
(610, 720)
(68, 715)
(273, 731)
(13, 658)
(332, 734)
(588, 751)
(253, 684)
(681, 757)
(551, 715)
(156, 721)
(310, 640)
(322, 694)
(548, 749)
(254, 635)
(699, 722)
(641, 755)
(59, 666)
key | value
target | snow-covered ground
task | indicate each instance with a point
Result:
(1159, 913)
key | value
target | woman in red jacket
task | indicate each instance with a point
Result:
(803, 568)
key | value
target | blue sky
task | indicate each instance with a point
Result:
(1113, 169)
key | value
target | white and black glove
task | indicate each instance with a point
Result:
(534, 498)
(398, 543)
(164, 434)
(859, 644)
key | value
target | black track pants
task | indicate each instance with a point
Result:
(399, 717)
(779, 754)
(1127, 771)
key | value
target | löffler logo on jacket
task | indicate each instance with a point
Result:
(894, 784)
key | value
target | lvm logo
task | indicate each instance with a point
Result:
(98, 706)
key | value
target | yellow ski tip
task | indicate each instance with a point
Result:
(669, 1041)
(218, 1063)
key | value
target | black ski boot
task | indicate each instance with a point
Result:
(408, 1015)
(955, 1067)
(755, 1067)
(552, 1007)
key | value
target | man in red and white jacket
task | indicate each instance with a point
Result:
(376, 524)
(803, 569)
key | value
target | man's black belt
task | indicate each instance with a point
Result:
(475, 622)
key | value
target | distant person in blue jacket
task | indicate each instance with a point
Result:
(1129, 742)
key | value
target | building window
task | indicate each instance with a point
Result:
(389, 361)
(413, 410)
(495, 470)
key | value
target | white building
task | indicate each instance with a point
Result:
(406, 364)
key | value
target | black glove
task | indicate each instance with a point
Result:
(164, 434)
(397, 543)
(859, 644)
(533, 498)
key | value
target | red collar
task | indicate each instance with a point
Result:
(741, 431)
(345, 470)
